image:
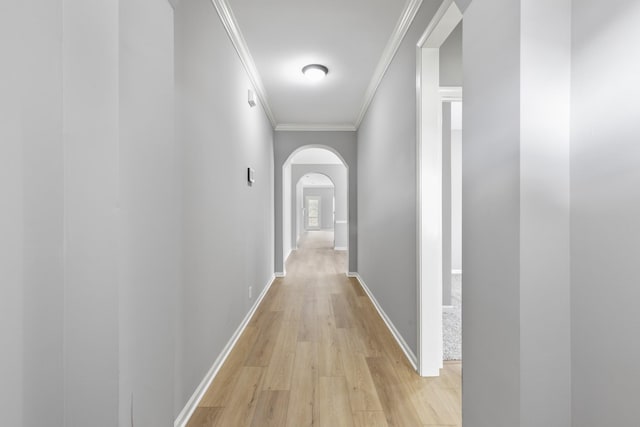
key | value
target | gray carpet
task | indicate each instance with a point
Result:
(452, 322)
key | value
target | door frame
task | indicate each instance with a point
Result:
(429, 187)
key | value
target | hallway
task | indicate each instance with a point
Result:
(317, 353)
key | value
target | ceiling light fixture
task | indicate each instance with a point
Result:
(315, 72)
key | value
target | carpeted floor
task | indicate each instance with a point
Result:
(452, 322)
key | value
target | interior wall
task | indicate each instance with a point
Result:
(605, 207)
(11, 216)
(515, 221)
(228, 241)
(338, 175)
(343, 143)
(289, 238)
(90, 123)
(299, 204)
(326, 204)
(42, 162)
(447, 206)
(456, 199)
(451, 58)
(149, 195)
(387, 179)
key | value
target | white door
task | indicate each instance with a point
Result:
(312, 213)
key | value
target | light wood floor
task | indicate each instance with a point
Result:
(316, 353)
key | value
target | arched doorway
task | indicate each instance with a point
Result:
(314, 166)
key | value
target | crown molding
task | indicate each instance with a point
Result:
(233, 30)
(408, 14)
(316, 127)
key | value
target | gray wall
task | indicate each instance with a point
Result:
(338, 174)
(387, 178)
(85, 106)
(11, 217)
(451, 59)
(491, 216)
(447, 207)
(516, 214)
(344, 143)
(456, 200)
(94, 182)
(605, 208)
(150, 213)
(228, 226)
(42, 209)
(326, 204)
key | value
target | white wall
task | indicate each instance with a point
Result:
(605, 207)
(228, 225)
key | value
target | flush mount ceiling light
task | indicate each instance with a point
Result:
(315, 72)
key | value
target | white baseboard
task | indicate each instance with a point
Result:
(279, 274)
(192, 404)
(456, 272)
(352, 274)
(411, 357)
(340, 248)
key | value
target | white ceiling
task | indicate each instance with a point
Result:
(315, 180)
(315, 156)
(353, 38)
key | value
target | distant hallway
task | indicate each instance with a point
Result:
(316, 353)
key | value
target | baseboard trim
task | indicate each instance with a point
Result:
(186, 413)
(411, 357)
(340, 248)
(279, 274)
(352, 274)
(456, 272)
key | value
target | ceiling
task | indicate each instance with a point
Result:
(355, 39)
(315, 180)
(315, 156)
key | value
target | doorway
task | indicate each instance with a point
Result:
(315, 200)
(312, 212)
(439, 59)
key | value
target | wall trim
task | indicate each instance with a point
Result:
(279, 274)
(340, 248)
(456, 272)
(408, 14)
(308, 127)
(450, 93)
(239, 43)
(411, 357)
(341, 221)
(183, 417)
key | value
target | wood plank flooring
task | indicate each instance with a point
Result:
(316, 353)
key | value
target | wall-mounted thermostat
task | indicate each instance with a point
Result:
(251, 98)
(251, 178)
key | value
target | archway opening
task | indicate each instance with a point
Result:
(314, 178)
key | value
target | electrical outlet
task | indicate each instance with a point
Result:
(250, 291)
